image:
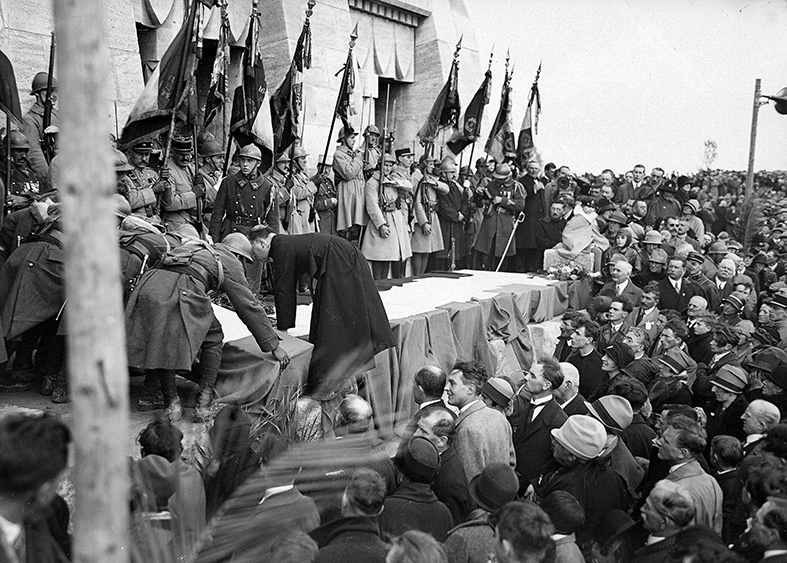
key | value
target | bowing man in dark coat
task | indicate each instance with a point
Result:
(529, 257)
(533, 424)
(676, 289)
(349, 324)
(454, 212)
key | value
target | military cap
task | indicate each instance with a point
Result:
(142, 146)
(182, 144)
(695, 256)
(403, 152)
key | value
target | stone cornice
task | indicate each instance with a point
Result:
(396, 10)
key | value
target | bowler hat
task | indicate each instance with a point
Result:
(613, 411)
(653, 237)
(621, 354)
(495, 486)
(498, 390)
(730, 378)
(582, 435)
(419, 460)
(619, 218)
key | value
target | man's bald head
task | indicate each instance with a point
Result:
(355, 415)
(764, 412)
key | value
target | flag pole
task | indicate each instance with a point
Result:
(480, 110)
(7, 164)
(353, 37)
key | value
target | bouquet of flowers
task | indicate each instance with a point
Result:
(566, 272)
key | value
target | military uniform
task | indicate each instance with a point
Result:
(24, 183)
(241, 203)
(142, 187)
(178, 200)
(384, 208)
(302, 194)
(212, 180)
(499, 217)
(325, 204)
(33, 128)
(425, 212)
(350, 186)
(371, 160)
(404, 183)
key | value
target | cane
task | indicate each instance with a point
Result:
(519, 219)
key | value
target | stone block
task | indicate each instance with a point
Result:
(544, 336)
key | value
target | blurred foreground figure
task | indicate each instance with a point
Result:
(349, 324)
(33, 519)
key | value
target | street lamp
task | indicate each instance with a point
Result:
(780, 104)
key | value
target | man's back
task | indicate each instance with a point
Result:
(704, 490)
(483, 436)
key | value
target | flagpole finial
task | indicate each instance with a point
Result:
(310, 8)
(508, 57)
(491, 56)
(459, 45)
(354, 34)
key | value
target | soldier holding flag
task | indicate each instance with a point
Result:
(33, 123)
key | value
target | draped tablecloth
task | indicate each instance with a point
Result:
(250, 377)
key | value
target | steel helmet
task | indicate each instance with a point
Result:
(121, 162)
(448, 164)
(212, 148)
(502, 171)
(298, 152)
(238, 244)
(251, 151)
(19, 141)
(40, 82)
(372, 130)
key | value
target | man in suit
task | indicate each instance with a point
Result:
(568, 395)
(438, 425)
(760, 416)
(617, 327)
(723, 280)
(585, 357)
(722, 345)
(428, 387)
(533, 424)
(768, 531)
(646, 316)
(483, 434)
(675, 290)
(621, 284)
(642, 368)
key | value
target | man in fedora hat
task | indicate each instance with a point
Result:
(351, 213)
(33, 121)
(179, 199)
(302, 195)
(455, 214)
(503, 198)
(473, 540)
(142, 186)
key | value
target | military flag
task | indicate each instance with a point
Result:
(217, 93)
(526, 147)
(446, 108)
(345, 103)
(251, 117)
(9, 95)
(471, 125)
(287, 102)
(169, 93)
(501, 138)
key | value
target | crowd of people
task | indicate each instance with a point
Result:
(651, 433)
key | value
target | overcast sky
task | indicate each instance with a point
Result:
(628, 81)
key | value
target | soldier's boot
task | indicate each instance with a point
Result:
(151, 398)
(174, 409)
(60, 388)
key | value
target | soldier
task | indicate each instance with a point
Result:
(279, 177)
(386, 243)
(427, 235)
(404, 182)
(325, 199)
(302, 194)
(351, 213)
(167, 335)
(33, 122)
(454, 210)
(503, 198)
(245, 199)
(212, 171)
(371, 151)
(26, 185)
(141, 185)
(179, 199)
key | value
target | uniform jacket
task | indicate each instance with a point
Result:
(669, 298)
(33, 129)
(427, 189)
(631, 291)
(299, 206)
(142, 187)
(499, 217)
(709, 290)
(661, 207)
(413, 506)
(324, 204)
(396, 246)
(344, 284)
(178, 200)
(704, 490)
(352, 539)
(241, 203)
(169, 312)
(350, 182)
(533, 440)
(483, 436)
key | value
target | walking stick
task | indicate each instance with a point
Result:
(520, 218)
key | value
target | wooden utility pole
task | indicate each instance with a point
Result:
(95, 323)
(753, 140)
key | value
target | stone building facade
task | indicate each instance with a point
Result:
(408, 44)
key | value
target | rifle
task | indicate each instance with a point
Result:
(380, 195)
(47, 140)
